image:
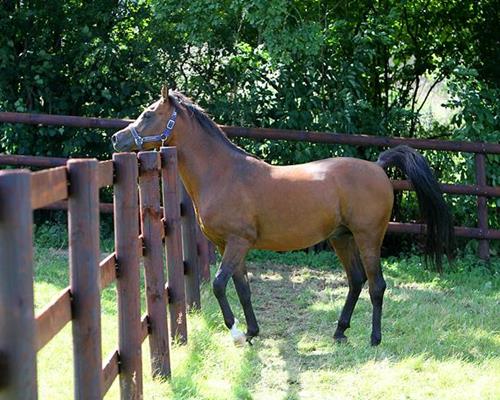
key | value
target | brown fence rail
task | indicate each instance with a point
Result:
(480, 149)
(22, 333)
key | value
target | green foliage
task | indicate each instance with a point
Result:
(353, 67)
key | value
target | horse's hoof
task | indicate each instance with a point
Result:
(239, 338)
(375, 340)
(340, 338)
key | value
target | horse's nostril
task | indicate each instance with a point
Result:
(113, 139)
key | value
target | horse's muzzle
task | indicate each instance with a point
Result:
(122, 140)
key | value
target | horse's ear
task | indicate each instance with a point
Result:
(164, 92)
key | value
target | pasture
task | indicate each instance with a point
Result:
(441, 335)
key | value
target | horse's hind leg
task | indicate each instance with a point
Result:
(240, 279)
(347, 251)
(369, 249)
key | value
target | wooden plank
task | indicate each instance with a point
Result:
(105, 208)
(110, 371)
(190, 250)
(203, 257)
(83, 222)
(106, 173)
(108, 271)
(32, 161)
(145, 328)
(53, 318)
(152, 228)
(126, 220)
(48, 186)
(173, 243)
(17, 321)
(482, 206)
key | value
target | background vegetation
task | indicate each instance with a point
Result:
(421, 68)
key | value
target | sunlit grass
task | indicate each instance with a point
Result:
(441, 336)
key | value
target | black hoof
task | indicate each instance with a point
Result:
(375, 340)
(340, 338)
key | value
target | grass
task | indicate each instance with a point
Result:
(441, 336)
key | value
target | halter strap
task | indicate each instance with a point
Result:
(140, 140)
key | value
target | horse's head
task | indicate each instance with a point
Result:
(154, 127)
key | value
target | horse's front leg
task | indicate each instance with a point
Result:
(233, 257)
(240, 279)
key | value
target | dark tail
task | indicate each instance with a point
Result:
(440, 235)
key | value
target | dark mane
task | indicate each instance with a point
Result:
(206, 123)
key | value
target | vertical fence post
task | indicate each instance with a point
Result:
(173, 243)
(191, 262)
(83, 226)
(17, 327)
(126, 221)
(203, 256)
(482, 206)
(152, 228)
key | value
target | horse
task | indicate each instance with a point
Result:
(243, 203)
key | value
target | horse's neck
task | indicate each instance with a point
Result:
(203, 159)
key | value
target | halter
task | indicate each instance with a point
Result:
(139, 140)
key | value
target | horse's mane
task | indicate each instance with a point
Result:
(206, 123)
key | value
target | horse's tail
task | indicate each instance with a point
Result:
(440, 234)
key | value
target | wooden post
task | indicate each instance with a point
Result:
(203, 256)
(152, 228)
(126, 221)
(482, 206)
(173, 243)
(17, 320)
(83, 225)
(191, 262)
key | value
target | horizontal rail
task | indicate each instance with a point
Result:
(65, 120)
(473, 190)
(105, 173)
(53, 318)
(266, 133)
(48, 186)
(110, 371)
(32, 161)
(108, 271)
(472, 233)
(361, 140)
(105, 208)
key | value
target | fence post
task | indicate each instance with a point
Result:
(126, 221)
(203, 256)
(83, 226)
(173, 243)
(152, 228)
(482, 206)
(17, 329)
(191, 261)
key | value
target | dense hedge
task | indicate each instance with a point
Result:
(353, 67)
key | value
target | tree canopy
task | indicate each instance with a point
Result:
(372, 67)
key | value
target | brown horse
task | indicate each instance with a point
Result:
(242, 203)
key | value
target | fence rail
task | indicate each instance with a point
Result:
(22, 333)
(480, 149)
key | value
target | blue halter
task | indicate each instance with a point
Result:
(140, 140)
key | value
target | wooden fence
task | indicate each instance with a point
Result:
(480, 189)
(162, 229)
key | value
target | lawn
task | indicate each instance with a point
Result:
(441, 336)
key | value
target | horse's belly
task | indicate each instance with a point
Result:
(294, 233)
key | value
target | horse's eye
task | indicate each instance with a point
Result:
(148, 114)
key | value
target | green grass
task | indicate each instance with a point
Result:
(441, 336)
